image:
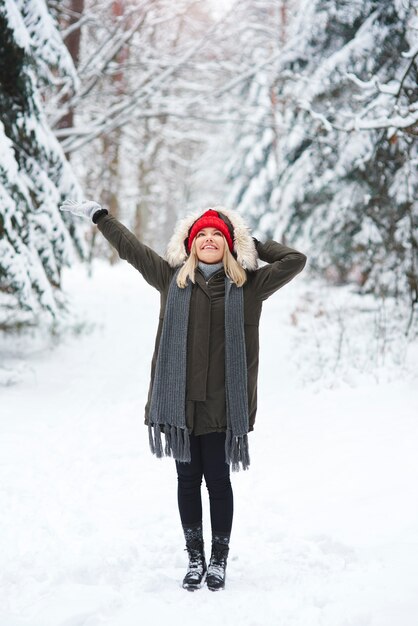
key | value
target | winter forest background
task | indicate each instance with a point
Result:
(303, 116)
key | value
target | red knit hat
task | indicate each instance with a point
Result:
(210, 219)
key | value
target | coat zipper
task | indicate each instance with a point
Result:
(215, 274)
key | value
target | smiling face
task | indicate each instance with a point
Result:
(210, 245)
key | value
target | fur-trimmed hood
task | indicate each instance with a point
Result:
(244, 246)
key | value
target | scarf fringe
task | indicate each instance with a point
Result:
(177, 442)
(237, 451)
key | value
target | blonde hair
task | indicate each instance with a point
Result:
(232, 268)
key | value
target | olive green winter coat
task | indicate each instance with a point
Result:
(205, 392)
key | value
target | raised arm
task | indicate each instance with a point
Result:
(153, 268)
(283, 264)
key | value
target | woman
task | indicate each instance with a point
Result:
(203, 390)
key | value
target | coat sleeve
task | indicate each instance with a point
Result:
(283, 263)
(156, 271)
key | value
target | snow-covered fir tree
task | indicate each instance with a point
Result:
(346, 190)
(251, 171)
(34, 175)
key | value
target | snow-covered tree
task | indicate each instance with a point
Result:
(34, 175)
(159, 82)
(348, 178)
(127, 136)
(252, 169)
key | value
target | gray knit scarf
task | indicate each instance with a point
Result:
(168, 396)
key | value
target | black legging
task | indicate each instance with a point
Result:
(208, 460)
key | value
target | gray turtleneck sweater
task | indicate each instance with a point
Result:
(209, 269)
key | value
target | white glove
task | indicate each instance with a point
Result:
(86, 208)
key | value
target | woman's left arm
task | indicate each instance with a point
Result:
(284, 263)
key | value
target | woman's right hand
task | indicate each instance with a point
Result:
(86, 208)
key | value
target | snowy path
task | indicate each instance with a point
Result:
(326, 520)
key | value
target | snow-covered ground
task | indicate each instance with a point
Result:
(326, 519)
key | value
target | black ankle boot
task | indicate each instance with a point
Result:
(215, 578)
(197, 562)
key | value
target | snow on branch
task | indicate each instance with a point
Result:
(396, 115)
